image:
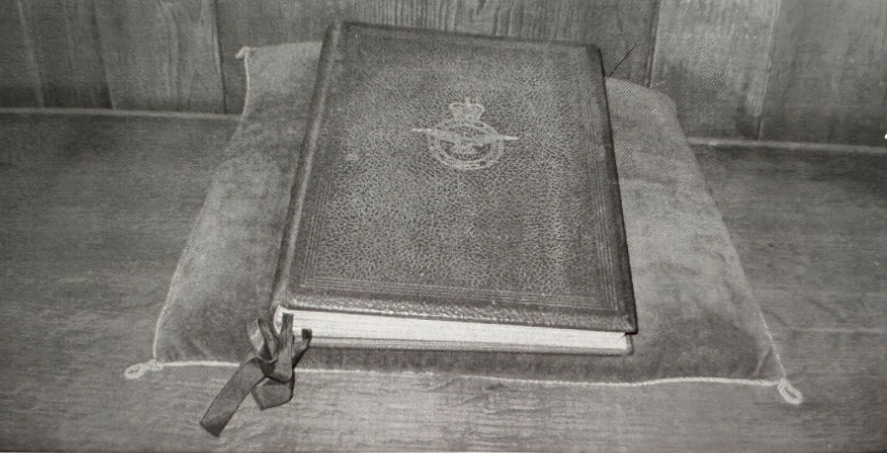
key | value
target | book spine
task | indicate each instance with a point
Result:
(328, 53)
(623, 267)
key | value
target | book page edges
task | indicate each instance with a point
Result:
(335, 329)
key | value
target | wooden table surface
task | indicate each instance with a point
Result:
(96, 207)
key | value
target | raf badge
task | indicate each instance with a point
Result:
(465, 142)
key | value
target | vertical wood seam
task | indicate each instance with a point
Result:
(654, 37)
(771, 48)
(100, 53)
(218, 48)
(103, 50)
(654, 54)
(30, 56)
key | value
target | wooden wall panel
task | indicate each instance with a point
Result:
(799, 70)
(259, 24)
(19, 82)
(712, 58)
(828, 81)
(161, 55)
(67, 53)
(623, 30)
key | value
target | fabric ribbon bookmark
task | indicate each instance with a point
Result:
(268, 374)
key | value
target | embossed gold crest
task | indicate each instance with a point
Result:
(464, 142)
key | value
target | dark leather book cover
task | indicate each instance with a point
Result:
(457, 177)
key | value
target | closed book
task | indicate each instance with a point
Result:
(457, 192)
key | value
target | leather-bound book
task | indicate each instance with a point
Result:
(457, 192)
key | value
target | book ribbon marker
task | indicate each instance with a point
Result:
(268, 374)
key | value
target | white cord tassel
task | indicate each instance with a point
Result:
(789, 393)
(138, 370)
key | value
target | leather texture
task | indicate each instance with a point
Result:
(460, 178)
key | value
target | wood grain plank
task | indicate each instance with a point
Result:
(19, 82)
(109, 202)
(712, 58)
(798, 216)
(67, 53)
(828, 81)
(623, 30)
(161, 55)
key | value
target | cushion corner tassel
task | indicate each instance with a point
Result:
(268, 374)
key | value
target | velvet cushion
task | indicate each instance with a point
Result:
(698, 319)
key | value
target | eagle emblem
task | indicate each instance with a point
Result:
(464, 142)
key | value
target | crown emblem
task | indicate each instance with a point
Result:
(465, 142)
(467, 110)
